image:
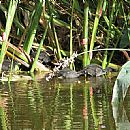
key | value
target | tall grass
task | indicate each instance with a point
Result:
(54, 31)
(111, 17)
(71, 31)
(85, 33)
(39, 49)
(33, 26)
(95, 27)
(9, 21)
(88, 20)
(119, 32)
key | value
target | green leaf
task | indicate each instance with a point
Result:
(121, 84)
(124, 40)
(76, 5)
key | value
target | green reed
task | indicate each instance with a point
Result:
(71, 31)
(38, 51)
(85, 33)
(95, 27)
(33, 26)
(89, 27)
(125, 26)
(9, 21)
(58, 22)
(54, 31)
(111, 17)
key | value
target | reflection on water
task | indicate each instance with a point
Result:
(60, 104)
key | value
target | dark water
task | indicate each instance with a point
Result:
(61, 104)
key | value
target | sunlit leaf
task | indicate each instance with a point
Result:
(121, 84)
(127, 1)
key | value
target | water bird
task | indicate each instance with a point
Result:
(91, 70)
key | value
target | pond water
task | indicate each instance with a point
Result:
(61, 104)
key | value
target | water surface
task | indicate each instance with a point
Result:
(61, 104)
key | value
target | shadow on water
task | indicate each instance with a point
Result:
(60, 104)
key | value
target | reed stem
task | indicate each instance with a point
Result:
(33, 27)
(39, 50)
(85, 33)
(96, 22)
(105, 63)
(71, 32)
(10, 17)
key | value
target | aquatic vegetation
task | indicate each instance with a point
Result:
(102, 26)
